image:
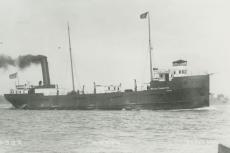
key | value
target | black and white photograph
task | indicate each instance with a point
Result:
(114, 76)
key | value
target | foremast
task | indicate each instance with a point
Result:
(71, 60)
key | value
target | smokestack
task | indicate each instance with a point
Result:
(45, 71)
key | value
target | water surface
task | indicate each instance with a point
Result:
(58, 131)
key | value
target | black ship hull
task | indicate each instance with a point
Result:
(183, 93)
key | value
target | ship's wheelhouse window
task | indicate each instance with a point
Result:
(184, 71)
(174, 72)
(161, 75)
(179, 71)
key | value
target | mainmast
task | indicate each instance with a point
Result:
(143, 16)
(150, 50)
(71, 60)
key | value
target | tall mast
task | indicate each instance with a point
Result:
(150, 49)
(71, 60)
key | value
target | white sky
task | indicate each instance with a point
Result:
(110, 42)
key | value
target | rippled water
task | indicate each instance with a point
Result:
(177, 131)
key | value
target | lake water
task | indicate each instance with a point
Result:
(56, 131)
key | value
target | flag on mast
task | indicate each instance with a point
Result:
(144, 15)
(13, 76)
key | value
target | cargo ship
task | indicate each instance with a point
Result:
(168, 89)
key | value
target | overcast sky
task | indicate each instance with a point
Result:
(110, 41)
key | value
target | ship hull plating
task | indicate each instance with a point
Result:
(193, 94)
(183, 93)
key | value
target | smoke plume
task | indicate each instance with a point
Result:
(26, 60)
(22, 61)
(6, 61)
